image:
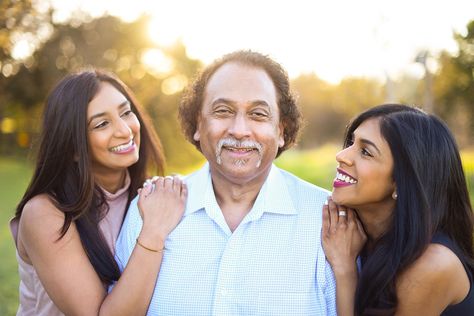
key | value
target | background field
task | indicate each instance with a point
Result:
(315, 166)
(14, 177)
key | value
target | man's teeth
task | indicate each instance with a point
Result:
(240, 149)
(122, 147)
(345, 178)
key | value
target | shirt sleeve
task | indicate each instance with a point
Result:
(126, 240)
(330, 291)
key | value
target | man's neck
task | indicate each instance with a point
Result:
(236, 199)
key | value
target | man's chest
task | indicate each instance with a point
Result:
(265, 264)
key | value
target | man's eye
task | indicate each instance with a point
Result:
(259, 115)
(222, 111)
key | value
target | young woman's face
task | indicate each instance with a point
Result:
(113, 131)
(364, 173)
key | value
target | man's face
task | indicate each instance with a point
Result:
(239, 128)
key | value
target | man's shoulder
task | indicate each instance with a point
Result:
(133, 220)
(196, 176)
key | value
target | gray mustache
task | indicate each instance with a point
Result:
(232, 142)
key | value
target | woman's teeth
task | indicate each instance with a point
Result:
(345, 178)
(123, 147)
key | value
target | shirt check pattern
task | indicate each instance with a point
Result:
(272, 264)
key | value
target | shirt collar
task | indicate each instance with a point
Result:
(273, 197)
(200, 189)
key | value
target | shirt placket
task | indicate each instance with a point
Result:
(225, 289)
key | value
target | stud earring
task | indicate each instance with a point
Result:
(394, 195)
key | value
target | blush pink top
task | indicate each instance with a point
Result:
(33, 298)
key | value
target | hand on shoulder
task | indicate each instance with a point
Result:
(343, 237)
(161, 203)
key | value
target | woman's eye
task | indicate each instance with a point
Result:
(127, 113)
(365, 152)
(101, 124)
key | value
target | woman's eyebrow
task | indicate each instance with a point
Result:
(121, 105)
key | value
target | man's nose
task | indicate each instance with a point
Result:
(240, 127)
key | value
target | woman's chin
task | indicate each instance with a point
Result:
(335, 197)
(339, 199)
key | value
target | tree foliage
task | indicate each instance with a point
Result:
(327, 108)
(454, 87)
(158, 75)
(111, 44)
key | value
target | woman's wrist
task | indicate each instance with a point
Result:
(345, 269)
(152, 238)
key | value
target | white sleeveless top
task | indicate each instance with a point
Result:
(34, 301)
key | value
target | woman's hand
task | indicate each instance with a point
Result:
(343, 237)
(161, 203)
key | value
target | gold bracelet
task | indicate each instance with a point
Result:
(149, 249)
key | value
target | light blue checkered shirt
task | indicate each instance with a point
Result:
(272, 264)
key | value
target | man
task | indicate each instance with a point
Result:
(249, 241)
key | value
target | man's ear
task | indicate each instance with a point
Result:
(281, 137)
(197, 133)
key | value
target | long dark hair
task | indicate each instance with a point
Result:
(63, 164)
(432, 197)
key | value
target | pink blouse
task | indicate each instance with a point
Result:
(33, 298)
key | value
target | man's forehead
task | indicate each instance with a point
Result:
(241, 83)
(231, 68)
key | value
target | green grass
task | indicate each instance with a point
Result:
(315, 166)
(14, 177)
(468, 164)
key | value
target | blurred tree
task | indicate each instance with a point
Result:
(357, 94)
(408, 90)
(328, 108)
(454, 88)
(323, 123)
(24, 26)
(123, 48)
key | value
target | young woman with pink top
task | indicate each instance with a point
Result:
(95, 150)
